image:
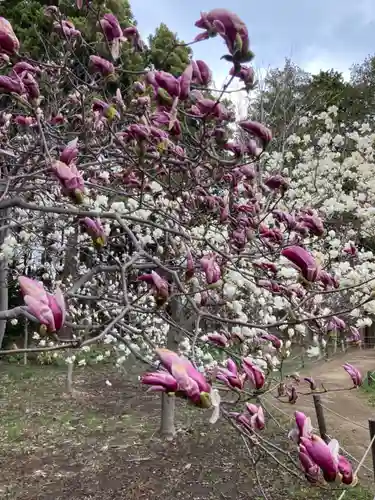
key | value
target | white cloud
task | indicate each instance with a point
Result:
(323, 63)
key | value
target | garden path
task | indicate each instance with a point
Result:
(346, 412)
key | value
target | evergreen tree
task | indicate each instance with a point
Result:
(167, 52)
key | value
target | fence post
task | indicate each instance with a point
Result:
(371, 424)
(320, 417)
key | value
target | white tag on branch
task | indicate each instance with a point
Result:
(215, 401)
(115, 49)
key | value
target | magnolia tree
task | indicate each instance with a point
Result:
(331, 172)
(130, 221)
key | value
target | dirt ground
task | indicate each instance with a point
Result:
(346, 412)
(103, 444)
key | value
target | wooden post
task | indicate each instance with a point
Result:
(320, 417)
(371, 424)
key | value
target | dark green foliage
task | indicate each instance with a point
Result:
(29, 23)
(165, 54)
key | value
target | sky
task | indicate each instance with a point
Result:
(315, 34)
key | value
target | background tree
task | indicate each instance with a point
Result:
(362, 77)
(166, 51)
(280, 99)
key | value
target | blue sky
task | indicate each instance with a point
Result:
(316, 34)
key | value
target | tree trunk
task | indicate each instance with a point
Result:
(70, 271)
(26, 341)
(3, 277)
(168, 403)
(167, 426)
(3, 297)
(69, 378)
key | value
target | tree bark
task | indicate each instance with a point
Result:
(3, 277)
(167, 425)
(70, 270)
(26, 341)
(69, 378)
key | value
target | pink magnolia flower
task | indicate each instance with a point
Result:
(102, 66)
(275, 341)
(285, 218)
(258, 130)
(48, 309)
(327, 280)
(211, 269)
(160, 381)
(70, 179)
(257, 420)
(292, 395)
(159, 284)
(303, 261)
(70, 152)
(209, 108)
(139, 87)
(355, 336)
(246, 74)
(133, 36)
(236, 147)
(163, 117)
(201, 73)
(311, 383)
(57, 120)
(271, 286)
(266, 266)
(188, 382)
(346, 471)
(25, 121)
(327, 458)
(95, 229)
(351, 250)
(322, 454)
(10, 85)
(310, 468)
(230, 375)
(111, 27)
(313, 223)
(168, 358)
(254, 374)
(354, 373)
(66, 29)
(185, 81)
(164, 81)
(218, 339)
(113, 33)
(303, 427)
(30, 84)
(336, 324)
(22, 66)
(143, 101)
(9, 43)
(231, 28)
(132, 180)
(135, 131)
(276, 181)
